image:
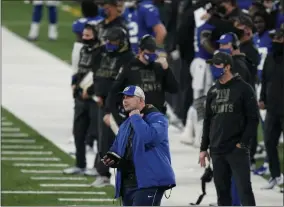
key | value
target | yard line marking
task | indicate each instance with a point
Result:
(18, 141)
(6, 123)
(54, 192)
(22, 147)
(86, 199)
(42, 171)
(15, 135)
(68, 185)
(39, 165)
(10, 129)
(26, 153)
(31, 158)
(58, 178)
(3, 118)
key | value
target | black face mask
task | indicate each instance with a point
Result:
(278, 48)
(221, 10)
(90, 42)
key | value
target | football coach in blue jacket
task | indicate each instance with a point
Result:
(141, 153)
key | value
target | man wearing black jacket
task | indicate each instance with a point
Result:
(113, 18)
(85, 114)
(229, 43)
(231, 119)
(244, 22)
(272, 99)
(149, 72)
(117, 54)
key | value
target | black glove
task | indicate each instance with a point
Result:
(114, 160)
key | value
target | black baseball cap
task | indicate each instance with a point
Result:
(221, 58)
(148, 42)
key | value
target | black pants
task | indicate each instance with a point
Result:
(236, 164)
(272, 130)
(142, 197)
(105, 140)
(254, 143)
(85, 119)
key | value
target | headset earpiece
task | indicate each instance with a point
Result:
(142, 40)
(236, 42)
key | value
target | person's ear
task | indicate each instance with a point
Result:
(226, 68)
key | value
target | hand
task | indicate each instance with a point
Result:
(206, 16)
(163, 61)
(238, 145)
(107, 119)
(107, 161)
(85, 94)
(136, 111)
(261, 105)
(202, 156)
(100, 101)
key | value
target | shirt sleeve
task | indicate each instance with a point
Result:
(205, 140)
(251, 113)
(78, 25)
(151, 15)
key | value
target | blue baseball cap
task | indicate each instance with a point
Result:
(225, 39)
(134, 91)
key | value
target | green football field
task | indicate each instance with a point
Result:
(20, 186)
(32, 171)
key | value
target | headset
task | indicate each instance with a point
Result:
(143, 40)
(236, 41)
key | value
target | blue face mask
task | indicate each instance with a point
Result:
(216, 72)
(150, 57)
(228, 51)
(111, 47)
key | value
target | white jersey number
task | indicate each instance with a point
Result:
(263, 54)
(133, 32)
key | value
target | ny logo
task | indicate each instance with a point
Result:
(222, 95)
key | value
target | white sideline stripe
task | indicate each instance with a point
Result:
(6, 123)
(86, 199)
(3, 118)
(26, 153)
(14, 135)
(18, 141)
(65, 185)
(54, 192)
(58, 178)
(39, 165)
(10, 129)
(41, 171)
(22, 147)
(31, 158)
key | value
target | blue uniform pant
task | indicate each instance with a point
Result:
(235, 197)
(142, 197)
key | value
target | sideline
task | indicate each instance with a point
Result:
(36, 88)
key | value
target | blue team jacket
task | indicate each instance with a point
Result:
(151, 155)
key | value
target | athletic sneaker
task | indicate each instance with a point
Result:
(101, 181)
(273, 182)
(91, 172)
(74, 171)
(263, 170)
